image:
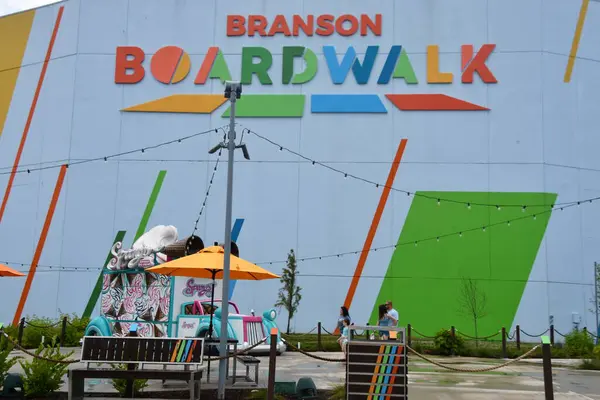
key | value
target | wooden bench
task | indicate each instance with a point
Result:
(132, 351)
(249, 361)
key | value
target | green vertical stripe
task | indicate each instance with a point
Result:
(382, 370)
(98, 288)
(499, 259)
(151, 201)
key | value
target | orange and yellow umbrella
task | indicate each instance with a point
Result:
(208, 263)
(6, 271)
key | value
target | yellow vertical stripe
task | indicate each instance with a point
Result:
(576, 38)
(14, 34)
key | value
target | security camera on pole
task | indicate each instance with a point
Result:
(233, 91)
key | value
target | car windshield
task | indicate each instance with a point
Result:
(216, 305)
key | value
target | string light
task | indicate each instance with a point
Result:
(377, 185)
(88, 269)
(210, 183)
(106, 157)
(355, 252)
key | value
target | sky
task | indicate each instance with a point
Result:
(13, 6)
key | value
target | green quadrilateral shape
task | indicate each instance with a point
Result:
(269, 106)
(424, 281)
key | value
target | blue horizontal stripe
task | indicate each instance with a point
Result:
(346, 103)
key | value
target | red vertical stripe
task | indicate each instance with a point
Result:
(31, 112)
(41, 242)
(206, 66)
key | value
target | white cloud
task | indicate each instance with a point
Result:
(13, 6)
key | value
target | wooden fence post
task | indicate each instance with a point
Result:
(552, 335)
(518, 337)
(319, 344)
(21, 327)
(547, 359)
(63, 332)
(453, 331)
(504, 342)
(272, 360)
(409, 335)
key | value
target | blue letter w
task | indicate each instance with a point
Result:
(361, 71)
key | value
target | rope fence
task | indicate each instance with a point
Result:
(467, 370)
(29, 353)
(32, 354)
(481, 337)
(535, 336)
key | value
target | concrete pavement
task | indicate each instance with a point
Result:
(521, 380)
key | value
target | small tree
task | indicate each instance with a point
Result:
(289, 295)
(472, 302)
(595, 300)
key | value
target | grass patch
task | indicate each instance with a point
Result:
(590, 365)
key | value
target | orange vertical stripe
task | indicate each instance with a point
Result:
(377, 367)
(576, 38)
(375, 223)
(14, 34)
(41, 242)
(31, 112)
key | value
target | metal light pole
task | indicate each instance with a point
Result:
(233, 91)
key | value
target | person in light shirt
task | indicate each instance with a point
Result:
(392, 313)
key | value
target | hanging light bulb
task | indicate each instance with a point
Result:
(345, 176)
(483, 228)
(508, 223)
(439, 202)
(438, 238)
(534, 216)
(498, 208)
(460, 234)
(415, 244)
(524, 208)
(469, 206)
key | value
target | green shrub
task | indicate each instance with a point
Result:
(4, 343)
(579, 344)
(338, 392)
(6, 363)
(448, 344)
(36, 328)
(261, 394)
(75, 329)
(596, 352)
(43, 377)
(121, 384)
(593, 364)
